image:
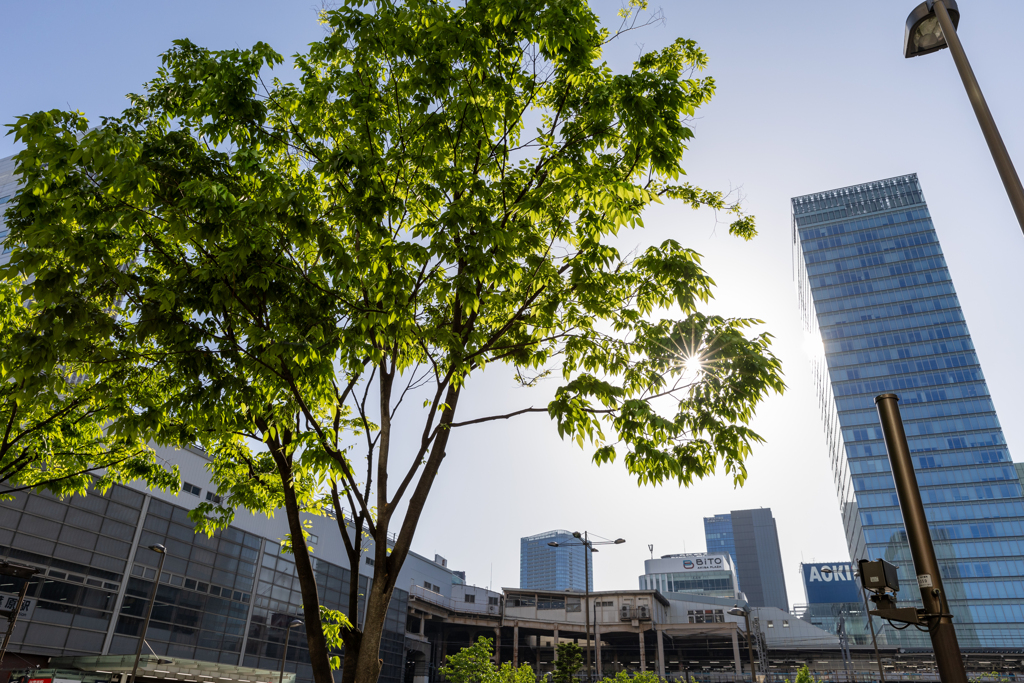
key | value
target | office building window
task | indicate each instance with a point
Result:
(191, 488)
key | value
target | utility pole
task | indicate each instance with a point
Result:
(936, 615)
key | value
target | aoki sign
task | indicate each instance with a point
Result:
(836, 584)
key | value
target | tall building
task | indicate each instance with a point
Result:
(874, 287)
(752, 540)
(543, 567)
(718, 535)
(8, 186)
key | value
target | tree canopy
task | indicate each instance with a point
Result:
(61, 429)
(441, 190)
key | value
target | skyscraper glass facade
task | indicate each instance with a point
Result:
(718, 535)
(543, 567)
(8, 186)
(874, 287)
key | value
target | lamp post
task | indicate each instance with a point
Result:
(287, 634)
(738, 611)
(931, 27)
(160, 550)
(585, 541)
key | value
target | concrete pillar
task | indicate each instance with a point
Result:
(421, 670)
(736, 652)
(423, 625)
(497, 645)
(643, 651)
(661, 653)
(554, 644)
(597, 650)
(515, 644)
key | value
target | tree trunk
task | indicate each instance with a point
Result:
(319, 656)
(367, 661)
(353, 645)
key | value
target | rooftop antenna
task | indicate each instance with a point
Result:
(650, 547)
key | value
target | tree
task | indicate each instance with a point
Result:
(60, 427)
(471, 664)
(474, 664)
(440, 192)
(570, 660)
(803, 675)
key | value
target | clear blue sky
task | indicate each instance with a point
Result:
(811, 95)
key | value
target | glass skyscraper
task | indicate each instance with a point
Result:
(718, 535)
(8, 186)
(751, 538)
(874, 287)
(543, 567)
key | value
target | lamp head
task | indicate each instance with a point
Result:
(619, 540)
(553, 544)
(295, 623)
(158, 548)
(576, 534)
(923, 34)
(738, 611)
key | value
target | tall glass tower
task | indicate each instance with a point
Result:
(542, 567)
(719, 537)
(752, 540)
(8, 186)
(874, 287)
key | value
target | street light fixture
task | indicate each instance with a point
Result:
(162, 552)
(931, 27)
(586, 543)
(287, 634)
(738, 611)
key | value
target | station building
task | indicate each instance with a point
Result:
(711, 574)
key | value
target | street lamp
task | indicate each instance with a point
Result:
(287, 634)
(738, 611)
(162, 552)
(931, 27)
(586, 543)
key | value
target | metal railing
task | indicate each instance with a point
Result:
(454, 605)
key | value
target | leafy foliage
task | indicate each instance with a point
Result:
(441, 190)
(803, 675)
(637, 677)
(471, 664)
(61, 425)
(570, 660)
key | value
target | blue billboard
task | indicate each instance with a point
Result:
(837, 584)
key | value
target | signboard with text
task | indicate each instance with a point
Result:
(829, 582)
(701, 563)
